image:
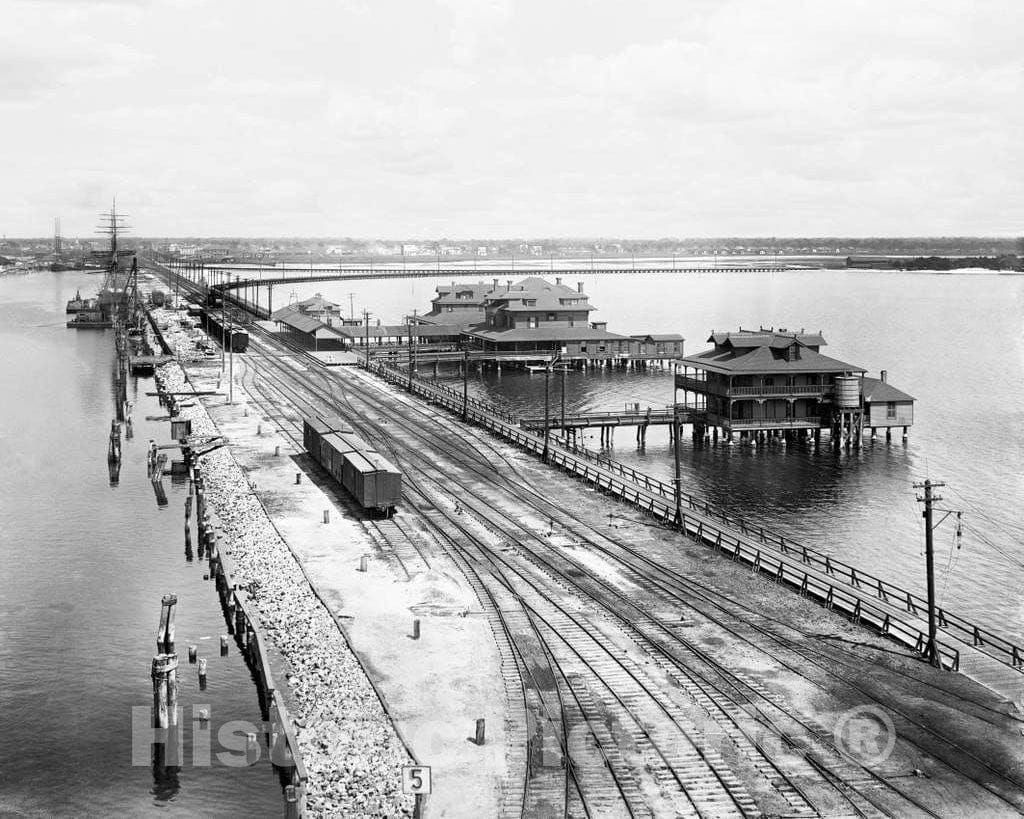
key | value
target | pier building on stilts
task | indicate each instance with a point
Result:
(532, 320)
(767, 384)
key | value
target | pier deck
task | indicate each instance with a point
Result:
(630, 623)
(651, 416)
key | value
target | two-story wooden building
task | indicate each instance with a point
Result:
(534, 318)
(459, 303)
(761, 383)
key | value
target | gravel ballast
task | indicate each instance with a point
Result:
(348, 742)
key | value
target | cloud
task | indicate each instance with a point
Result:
(460, 116)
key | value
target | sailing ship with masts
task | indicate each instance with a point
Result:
(118, 295)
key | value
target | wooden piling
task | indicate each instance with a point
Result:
(291, 802)
(479, 738)
(174, 751)
(161, 629)
(160, 669)
(171, 600)
(362, 563)
(327, 515)
(240, 630)
(193, 654)
(416, 629)
(252, 749)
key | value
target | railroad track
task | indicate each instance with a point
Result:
(699, 598)
(627, 714)
(613, 755)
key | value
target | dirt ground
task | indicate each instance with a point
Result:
(948, 730)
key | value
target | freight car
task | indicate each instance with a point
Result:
(367, 476)
(234, 339)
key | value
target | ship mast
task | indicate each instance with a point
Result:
(118, 295)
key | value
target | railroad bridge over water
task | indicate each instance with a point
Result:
(240, 284)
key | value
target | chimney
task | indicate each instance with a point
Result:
(558, 279)
(378, 322)
(495, 283)
(885, 376)
(579, 287)
(508, 284)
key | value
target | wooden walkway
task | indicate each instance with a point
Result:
(652, 416)
(862, 597)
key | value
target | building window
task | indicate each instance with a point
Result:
(451, 309)
(533, 322)
(890, 409)
(551, 316)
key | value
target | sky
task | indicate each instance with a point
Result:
(509, 118)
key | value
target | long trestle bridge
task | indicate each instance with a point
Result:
(249, 279)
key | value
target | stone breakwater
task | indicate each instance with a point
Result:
(348, 743)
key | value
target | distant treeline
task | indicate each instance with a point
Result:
(1006, 262)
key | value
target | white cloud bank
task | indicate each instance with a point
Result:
(502, 118)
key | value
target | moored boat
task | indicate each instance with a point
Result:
(78, 304)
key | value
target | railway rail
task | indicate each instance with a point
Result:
(593, 713)
(524, 562)
(844, 776)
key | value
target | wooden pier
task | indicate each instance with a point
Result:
(858, 595)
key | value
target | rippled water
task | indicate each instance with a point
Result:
(953, 341)
(84, 565)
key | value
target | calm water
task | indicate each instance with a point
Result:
(84, 566)
(954, 342)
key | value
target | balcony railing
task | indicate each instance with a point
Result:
(807, 422)
(701, 385)
(780, 390)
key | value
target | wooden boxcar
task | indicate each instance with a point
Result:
(233, 338)
(313, 429)
(367, 475)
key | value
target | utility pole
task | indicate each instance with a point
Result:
(366, 337)
(677, 481)
(929, 499)
(231, 358)
(465, 381)
(564, 435)
(412, 350)
(409, 327)
(223, 325)
(547, 412)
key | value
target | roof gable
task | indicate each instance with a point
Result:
(780, 338)
(877, 390)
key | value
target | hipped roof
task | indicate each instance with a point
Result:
(766, 359)
(766, 338)
(545, 334)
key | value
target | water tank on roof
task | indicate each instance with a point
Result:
(847, 391)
